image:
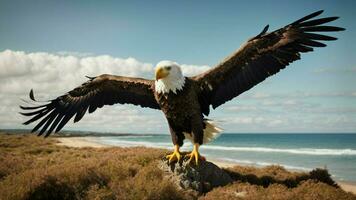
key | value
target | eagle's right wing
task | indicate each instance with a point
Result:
(93, 94)
(261, 57)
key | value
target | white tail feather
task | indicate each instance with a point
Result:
(211, 132)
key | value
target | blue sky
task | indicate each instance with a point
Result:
(315, 94)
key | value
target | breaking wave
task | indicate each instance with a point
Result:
(300, 151)
(304, 151)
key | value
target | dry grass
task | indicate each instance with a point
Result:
(276, 174)
(276, 183)
(36, 168)
(307, 190)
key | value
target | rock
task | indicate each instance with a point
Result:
(201, 178)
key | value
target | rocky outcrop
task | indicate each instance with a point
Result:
(201, 178)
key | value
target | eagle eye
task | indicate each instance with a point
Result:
(168, 68)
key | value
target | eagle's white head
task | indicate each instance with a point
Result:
(169, 77)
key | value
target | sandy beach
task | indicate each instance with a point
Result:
(90, 142)
(80, 142)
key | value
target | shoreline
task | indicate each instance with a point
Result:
(81, 142)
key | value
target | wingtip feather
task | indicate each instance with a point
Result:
(32, 97)
(312, 15)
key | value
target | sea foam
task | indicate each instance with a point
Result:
(305, 151)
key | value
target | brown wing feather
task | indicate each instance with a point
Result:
(93, 94)
(260, 57)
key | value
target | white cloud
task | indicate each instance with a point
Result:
(18, 68)
(49, 72)
(191, 70)
(51, 75)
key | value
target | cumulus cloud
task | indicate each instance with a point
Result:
(191, 70)
(50, 72)
(18, 68)
(51, 75)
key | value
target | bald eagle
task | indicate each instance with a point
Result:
(186, 101)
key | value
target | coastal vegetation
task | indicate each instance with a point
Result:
(36, 168)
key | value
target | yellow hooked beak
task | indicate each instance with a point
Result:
(161, 73)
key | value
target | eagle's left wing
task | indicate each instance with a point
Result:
(260, 57)
(95, 93)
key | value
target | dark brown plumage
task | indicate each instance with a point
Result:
(260, 57)
(183, 113)
(93, 94)
(185, 106)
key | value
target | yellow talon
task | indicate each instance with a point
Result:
(194, 155)
(175, 156)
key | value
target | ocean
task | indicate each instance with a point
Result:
(336, 152)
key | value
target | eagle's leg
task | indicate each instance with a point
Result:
(195, 155)
(175, 156)
(177, 139)
(198, 136)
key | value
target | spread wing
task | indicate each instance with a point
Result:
(260, 57)
(93, 94)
